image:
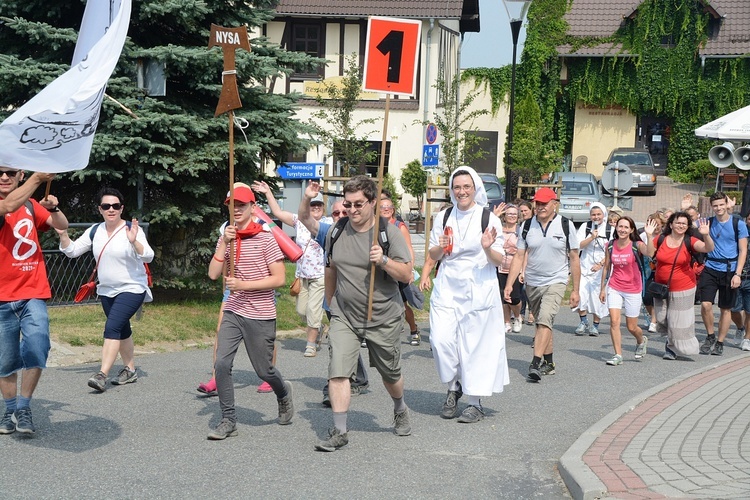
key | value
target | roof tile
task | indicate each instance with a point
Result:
(419, 9)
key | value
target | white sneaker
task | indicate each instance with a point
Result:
(745, 345)
(652, 327)
(516, 325)
(581, 330)
(739, 335)
(507, 328)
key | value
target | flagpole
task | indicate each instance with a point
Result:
(231, 190)
(46, 191)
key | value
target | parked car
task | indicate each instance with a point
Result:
(579, 191)
(495, 190)
(642, 166)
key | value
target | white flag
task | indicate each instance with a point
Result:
(54, 131)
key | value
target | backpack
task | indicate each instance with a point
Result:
(564, 222)
(694, 262)
(638, 260)
(28, 205)
(485, 217)
(339, 228)
(129, 224)
(608, 230)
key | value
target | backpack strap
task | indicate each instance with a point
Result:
(526, 227)
(28, 205)
(565, 222)
(339, 228)
(446, 215)
(485, 219)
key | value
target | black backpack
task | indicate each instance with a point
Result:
(485, 217)
(608, 230)
(564, 221)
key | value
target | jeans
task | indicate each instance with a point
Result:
(28, 320)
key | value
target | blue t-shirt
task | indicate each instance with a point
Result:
(724, 244)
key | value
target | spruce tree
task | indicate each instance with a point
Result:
(177, 146)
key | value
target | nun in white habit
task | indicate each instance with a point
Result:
(466, 312)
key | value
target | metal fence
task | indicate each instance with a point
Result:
(67, 275)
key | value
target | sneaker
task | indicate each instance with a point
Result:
(450, 407)
(739, 336)
(326, 401)
(615, 360)
(226, 428)
(745, 346)
(652, 328)
(507, 328)
(708, 344)
(7, 425)
(286, 406)
(547, 368)
(640, 349)
(355, 390)
(517, 325)
(265, 388)
(401, 424)
(718, 349)
(125, 377)
(415, 339)
(593, 331)
(582, 327)
(534, 374)
(669, 353)
(471, 415)
(98, 382)
(311, 351)
(24, 424)
(335, 441)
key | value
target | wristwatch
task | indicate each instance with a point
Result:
(53, 209)
(384, 261)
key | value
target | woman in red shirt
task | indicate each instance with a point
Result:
(675, 316)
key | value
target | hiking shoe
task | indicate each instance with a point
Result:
(718, 349)
(517, 325)
(226, 428)
(547, 368)
(401, 424)
(582, 327)
(593, 331)
(669, 353)
(708, 344)
(450, 407)
(355, 390)
(326, 401)
(415, 339)
(335, 441)
(7, 425)
(534, 374)
(652, 328)
(286, 406)
(640, 349)
(98, 382)
(745, 346)
(615, 360)
(739, 336)
(471, 415)
(24, 424)
(265, 388)
(311, 351)
(125, 377)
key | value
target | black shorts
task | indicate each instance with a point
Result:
(515, 293)
(712, 281)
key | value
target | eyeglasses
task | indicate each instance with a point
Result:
(357, 204)
(9, 173)
(107, 206)
(386, 207)
(511, 215)
(336, 213)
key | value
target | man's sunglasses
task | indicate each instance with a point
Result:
(357, 205)
(9, 173)
(336, 213)
(107, 206)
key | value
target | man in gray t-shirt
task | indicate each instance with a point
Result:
(352, 256)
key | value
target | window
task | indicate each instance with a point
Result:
(578, 188)
(308, 38)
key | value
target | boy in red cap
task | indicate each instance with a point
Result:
(250, 310)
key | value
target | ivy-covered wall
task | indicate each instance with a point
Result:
(647, 77)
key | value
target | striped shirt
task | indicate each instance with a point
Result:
(253, 258)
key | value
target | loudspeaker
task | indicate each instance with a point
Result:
(742, 157)
(721, 156)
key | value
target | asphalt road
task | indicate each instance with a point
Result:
(148, 439)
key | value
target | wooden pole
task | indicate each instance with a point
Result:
(231, 190)
(46, 190)
(381, 168)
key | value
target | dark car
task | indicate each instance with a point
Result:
(495, 190)
(641, 165)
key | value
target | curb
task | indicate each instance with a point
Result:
(581, 481)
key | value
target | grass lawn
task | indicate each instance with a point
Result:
(190, 321)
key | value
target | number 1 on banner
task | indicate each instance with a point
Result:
(391, 55)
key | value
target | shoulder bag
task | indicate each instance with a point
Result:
(296, 285)
(661, 290)
(87, 289)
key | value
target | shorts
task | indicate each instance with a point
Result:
(544, 302)
(515, 293)
(383, 344)
(742, 303)
(712, 281)
(310, 301)
(630, 302)
(119, 309)
(24, 336)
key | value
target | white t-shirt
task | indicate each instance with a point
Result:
(547, 253)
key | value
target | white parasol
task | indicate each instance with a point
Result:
(732, 127)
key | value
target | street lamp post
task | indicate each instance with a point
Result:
(516, 13)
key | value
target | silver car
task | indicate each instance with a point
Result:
(579, 191)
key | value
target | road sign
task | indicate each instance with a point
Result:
(391, 55)
(430, 155)
(300, 170)
(431, 133)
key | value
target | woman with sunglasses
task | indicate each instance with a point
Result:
(120, 249)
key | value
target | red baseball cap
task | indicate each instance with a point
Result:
(242, 194)
(545, 195)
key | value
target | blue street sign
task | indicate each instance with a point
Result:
(300, 170)
(430, 155)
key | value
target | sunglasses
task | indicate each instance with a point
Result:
(9, 173)
(107, 206)
(356, 204)
(336, 213)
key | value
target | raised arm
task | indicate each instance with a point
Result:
(284, 216)
(303, 214)
(22, 193)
